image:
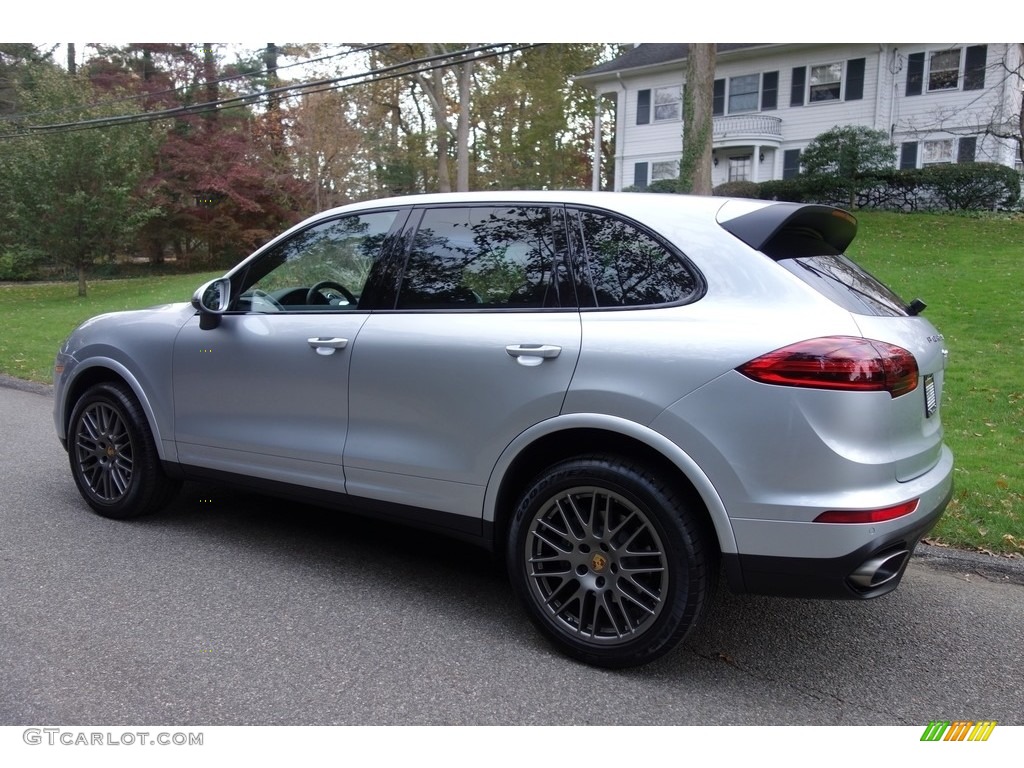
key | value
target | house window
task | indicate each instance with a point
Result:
(938, 151)
(743, 93)
(944, 70)
(668, 169)
(826, 81)
(667, 104)
(739, 168)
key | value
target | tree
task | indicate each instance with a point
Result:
(72, 193)
(533, 127)
(852, 153)
(695, 166)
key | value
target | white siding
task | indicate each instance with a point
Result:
(883, 106)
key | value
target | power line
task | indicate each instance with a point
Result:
(423, 64)
(189, 86)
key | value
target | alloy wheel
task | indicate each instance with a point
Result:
(596, 565)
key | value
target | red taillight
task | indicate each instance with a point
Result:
(867, 515)
(838, 362)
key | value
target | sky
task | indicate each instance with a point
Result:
(532, 20)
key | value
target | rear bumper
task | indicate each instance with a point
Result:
(872, 570)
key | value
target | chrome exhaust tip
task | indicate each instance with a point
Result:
(880, 569)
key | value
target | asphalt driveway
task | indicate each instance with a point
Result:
(237, 609)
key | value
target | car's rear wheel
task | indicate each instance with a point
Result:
(609, 560)
(113, 456)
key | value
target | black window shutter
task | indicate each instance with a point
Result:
(908, 155)
(718, 98)
(974, 67)
(854, 79)
(640, 175)
(769, 91)
(643, 106)
(915, 74)
(796, 92)
(966, 149)
(790, 163)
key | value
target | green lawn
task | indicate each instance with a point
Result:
(968, 270)
(35, 318)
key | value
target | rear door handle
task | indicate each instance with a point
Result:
(532, 354)
(324, 346)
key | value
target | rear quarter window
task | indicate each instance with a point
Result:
(618, 264)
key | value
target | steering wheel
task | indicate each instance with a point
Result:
(345, 292)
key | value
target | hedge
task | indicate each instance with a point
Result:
(959, 187)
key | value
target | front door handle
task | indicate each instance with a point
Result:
(324, 346)
(532, 354)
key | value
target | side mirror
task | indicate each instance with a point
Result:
(212, 299)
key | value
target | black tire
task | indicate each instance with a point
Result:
(610, 562)
(113, 456)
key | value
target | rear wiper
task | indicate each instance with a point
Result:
(916, 307)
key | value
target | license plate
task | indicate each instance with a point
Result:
(931, 402)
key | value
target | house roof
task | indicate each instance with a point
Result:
(654, 54)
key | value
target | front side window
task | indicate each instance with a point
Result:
(944, 70)
(323, 268)
(743, 93)
(483, 257)
(826, 82)
(620, 265)
(667, 104)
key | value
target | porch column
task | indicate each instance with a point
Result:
(755, 161)
(595, 184)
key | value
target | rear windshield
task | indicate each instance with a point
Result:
(833, 275)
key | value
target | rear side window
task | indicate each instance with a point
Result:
(617, 264)
(832, 274)
(483, 257)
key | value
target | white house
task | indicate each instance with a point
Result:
(934, 100)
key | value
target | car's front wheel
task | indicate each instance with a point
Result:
(609, 560)
(113, 456)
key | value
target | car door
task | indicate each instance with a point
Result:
(481, 345)
(265, 394)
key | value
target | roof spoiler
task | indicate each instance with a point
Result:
(757, 228)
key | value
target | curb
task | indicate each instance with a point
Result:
(994, 568)
(26, 386)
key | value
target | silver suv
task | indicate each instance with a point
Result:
(624, 395)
